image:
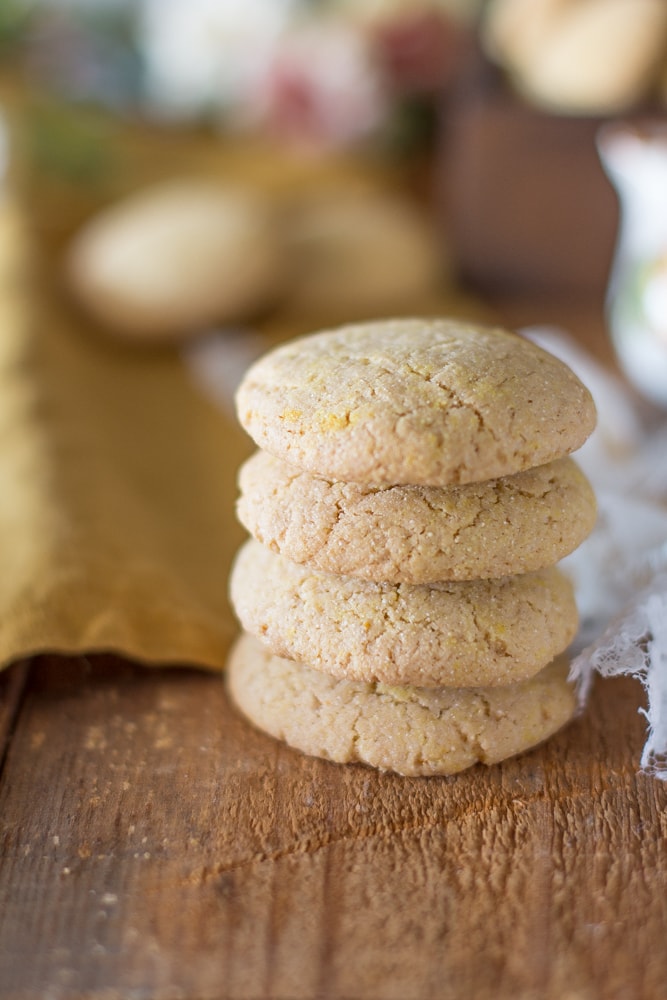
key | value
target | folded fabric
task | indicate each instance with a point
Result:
(620, 571)
(118, 485)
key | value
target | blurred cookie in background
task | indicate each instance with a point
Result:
(171, 260)
(358, 253)
(584, 57)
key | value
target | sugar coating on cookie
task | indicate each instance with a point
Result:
(413, 401)
(478, 632)
(417, 534)
(411, 731)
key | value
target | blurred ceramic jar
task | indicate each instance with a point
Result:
(635, 159)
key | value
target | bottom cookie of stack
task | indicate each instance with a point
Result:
(410, 730)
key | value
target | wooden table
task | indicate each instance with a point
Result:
(154, 846)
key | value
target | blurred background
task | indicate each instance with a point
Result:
(404, 155)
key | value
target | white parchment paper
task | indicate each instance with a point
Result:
(620, 572)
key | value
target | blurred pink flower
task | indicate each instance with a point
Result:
(419, 50)
(321, 87)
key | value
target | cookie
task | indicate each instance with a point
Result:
(417, 534)
(414, 731)
(177, 257)
(460, 634)
(557, 52)
(412, 401)
(360, 253)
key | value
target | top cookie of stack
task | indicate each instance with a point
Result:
(420, 402)
(419, 471)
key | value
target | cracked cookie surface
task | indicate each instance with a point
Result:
(417, 534)
(420, 402)
(411, 731)
(478, 632)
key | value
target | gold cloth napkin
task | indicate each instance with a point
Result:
(117, 489)
(117, 476)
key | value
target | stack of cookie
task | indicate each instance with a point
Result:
(409, 501)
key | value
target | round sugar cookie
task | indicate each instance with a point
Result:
(414, 731)
(171, 260)
(414, 401)
(360, 253)
(460, 634)
(417, 534)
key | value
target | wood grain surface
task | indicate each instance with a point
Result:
(154, 845)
